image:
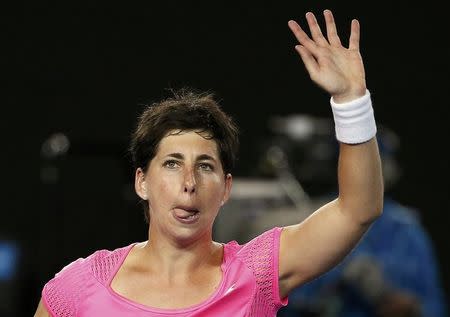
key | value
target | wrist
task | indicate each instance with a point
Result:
(354, 120)
(349, 95)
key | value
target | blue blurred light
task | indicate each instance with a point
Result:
(9, 253)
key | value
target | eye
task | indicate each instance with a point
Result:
(171, 164)
(205, 167)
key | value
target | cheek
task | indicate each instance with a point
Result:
(214, 189)
(161, 191)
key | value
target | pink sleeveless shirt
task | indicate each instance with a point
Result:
(249, 285)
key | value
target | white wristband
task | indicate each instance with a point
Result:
(354, 121)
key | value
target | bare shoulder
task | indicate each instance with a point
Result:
(41, 311)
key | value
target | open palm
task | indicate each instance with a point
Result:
(335, 68)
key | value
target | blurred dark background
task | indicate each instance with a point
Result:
(75, 75)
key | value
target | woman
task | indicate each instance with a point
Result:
(184, 150)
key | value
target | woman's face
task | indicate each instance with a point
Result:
(185, 186)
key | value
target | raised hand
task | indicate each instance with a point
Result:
(335, 68)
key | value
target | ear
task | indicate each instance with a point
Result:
(228, 185)
(140, 184)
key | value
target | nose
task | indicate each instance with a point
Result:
(189, 182)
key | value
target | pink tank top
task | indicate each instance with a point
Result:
(249, 285)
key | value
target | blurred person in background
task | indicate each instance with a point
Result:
(393, 271)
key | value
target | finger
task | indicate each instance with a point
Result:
(354, 35)
(301, 36)
(308, 60)
(332, 35)
(314, 28)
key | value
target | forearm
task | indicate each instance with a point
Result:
(360, 177)
(360, 181)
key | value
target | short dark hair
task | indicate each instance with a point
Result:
(185, 110)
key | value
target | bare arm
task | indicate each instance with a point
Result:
(322, 240)
(41, 310)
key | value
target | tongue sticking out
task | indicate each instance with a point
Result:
(184, 214)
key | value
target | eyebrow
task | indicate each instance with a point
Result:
(201, 157)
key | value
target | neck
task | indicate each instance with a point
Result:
(181, 256)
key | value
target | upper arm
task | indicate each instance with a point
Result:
(41, 311)
(315, 245)
(62, 294)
